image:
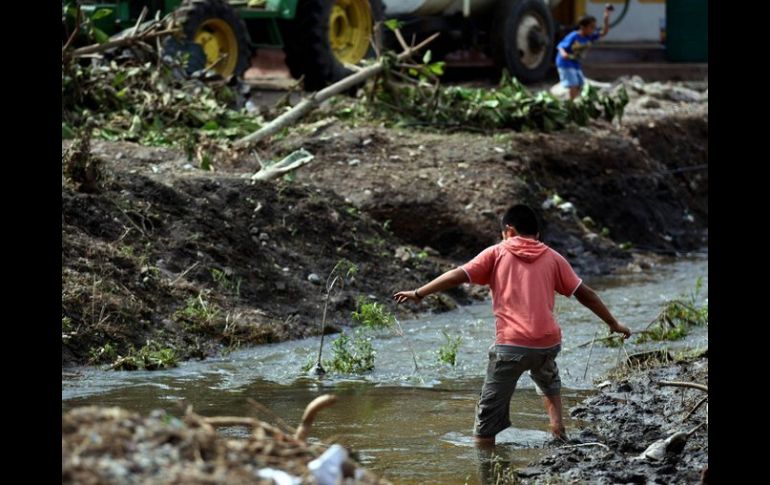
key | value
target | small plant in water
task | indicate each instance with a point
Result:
(677, 316)
(447, 353)
(341, 272)
(150, 357)
(373, 315)
(351, 356)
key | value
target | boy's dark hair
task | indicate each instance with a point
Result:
(522, 218)
(586, 20)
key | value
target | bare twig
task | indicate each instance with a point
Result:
(401, 40)
(182, 275)
(239, 421)
(405, 78)
(408, 343)
(585, 373)
(75, 32)
(587, 444)
(310, 412)
(261, 407)
(695, 408)
(692, 385)
(607, 338)
(140, 20)
(689, 433)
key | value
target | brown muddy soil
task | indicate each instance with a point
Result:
(205, 261)
(627, 416)
(200, 262)
(448, 190)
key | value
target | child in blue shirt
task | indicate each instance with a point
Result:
(574, 47)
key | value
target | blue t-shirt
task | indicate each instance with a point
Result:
(576, 45)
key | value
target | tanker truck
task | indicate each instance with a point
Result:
(321, 37)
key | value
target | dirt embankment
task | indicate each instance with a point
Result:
(197, 263)
(205, 260)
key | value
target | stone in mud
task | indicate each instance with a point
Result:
(314, 278)
(403, 253)
(673, 445)
(647, 102)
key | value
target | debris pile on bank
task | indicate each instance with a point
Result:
(113, 445)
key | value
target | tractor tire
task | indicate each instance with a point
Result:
(221, 35)
(522, 39)
(314, 48)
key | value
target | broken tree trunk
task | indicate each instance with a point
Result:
(308, 104)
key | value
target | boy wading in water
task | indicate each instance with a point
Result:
(522, 274)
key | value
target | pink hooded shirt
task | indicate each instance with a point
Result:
(523, 275)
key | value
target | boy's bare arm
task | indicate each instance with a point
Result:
(448, 280)
(606, 26)
(589, 299)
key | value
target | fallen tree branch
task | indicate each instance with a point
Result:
(95, 48)
(692, 385)
(308, 104)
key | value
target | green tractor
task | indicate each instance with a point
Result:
(319, 37)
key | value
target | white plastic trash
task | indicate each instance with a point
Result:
(279, 477)
(327, 468)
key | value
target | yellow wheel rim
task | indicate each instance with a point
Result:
(350, 28)
(220, 45)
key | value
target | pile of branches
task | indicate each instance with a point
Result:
(130, 88)
(419, 99)
(113, 445)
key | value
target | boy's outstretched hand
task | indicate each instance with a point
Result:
(620, 328)
(403, 296)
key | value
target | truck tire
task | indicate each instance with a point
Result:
(522, 39)
(324, 34)
(220, 33)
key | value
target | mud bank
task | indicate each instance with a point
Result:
(627, 416)
(206, 261)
